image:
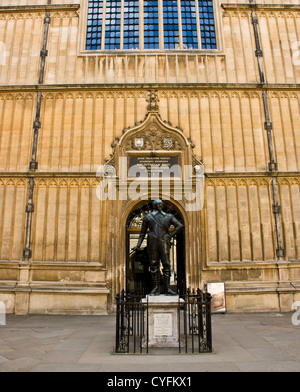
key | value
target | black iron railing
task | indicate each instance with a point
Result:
(193, 316)
(131, 323)
(197, 309)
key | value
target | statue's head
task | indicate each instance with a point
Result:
(157, 204)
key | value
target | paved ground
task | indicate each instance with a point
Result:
(242, 342)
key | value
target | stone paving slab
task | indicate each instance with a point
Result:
(242, 342)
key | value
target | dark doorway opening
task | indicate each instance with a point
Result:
(138, 277)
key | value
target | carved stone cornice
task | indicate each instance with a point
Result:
(39, 8)
(251, 174)
(93, 175)
(113, 87)
(251, 6)
(261, 10)
(38, 12)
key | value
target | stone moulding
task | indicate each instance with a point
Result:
(251, 6)
(198, 87)
(39, 8)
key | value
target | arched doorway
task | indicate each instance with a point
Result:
(138, 276)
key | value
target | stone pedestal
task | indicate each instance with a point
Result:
(163, 320)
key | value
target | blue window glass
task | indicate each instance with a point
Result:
(207, 24)
(131, 24)
(130, 28)
(113, 24)
(189, 24)
(151, 30)
(94, 25)
(171, 27)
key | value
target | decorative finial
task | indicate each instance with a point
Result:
(153, 100)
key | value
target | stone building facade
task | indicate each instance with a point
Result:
(68, 107)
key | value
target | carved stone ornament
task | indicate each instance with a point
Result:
(153, 102)
(155, 136)
(154, 139)
(139, 142)
(168, 143)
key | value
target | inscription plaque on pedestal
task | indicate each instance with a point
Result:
(163, 324)
(163, 320)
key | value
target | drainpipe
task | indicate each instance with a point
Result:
(285, 297)
(272, 166)
(33, 166)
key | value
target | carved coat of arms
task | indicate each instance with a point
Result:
(168, 143)
(138, 142)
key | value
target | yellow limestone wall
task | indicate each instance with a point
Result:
(88, 98)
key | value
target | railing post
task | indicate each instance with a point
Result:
(200, 319)
(147, 337)
(178, 318)
(185, 323)
(208, 322)
(117, 323)
(141, 318)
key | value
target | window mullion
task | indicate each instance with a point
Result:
(180, 24)
(161, 24)
(122, 26)
(198, 24)
(141, 24)
(103, 25)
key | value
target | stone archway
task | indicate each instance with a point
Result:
(138, 277)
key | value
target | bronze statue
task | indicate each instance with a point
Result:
(159, 243)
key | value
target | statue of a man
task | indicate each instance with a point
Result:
(159, 243)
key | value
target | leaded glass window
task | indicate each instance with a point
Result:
(171, 26)
(189, 24)
(151, 30)
(94, 25)
(131, 25)
(207, 24)
(118, 24)
(113, 25)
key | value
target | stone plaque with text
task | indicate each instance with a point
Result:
(154, 166)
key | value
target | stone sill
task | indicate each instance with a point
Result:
(248, 265)
(45, 286)
(259, 290)
(68, 287)
(49, 264)
(153, 52)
